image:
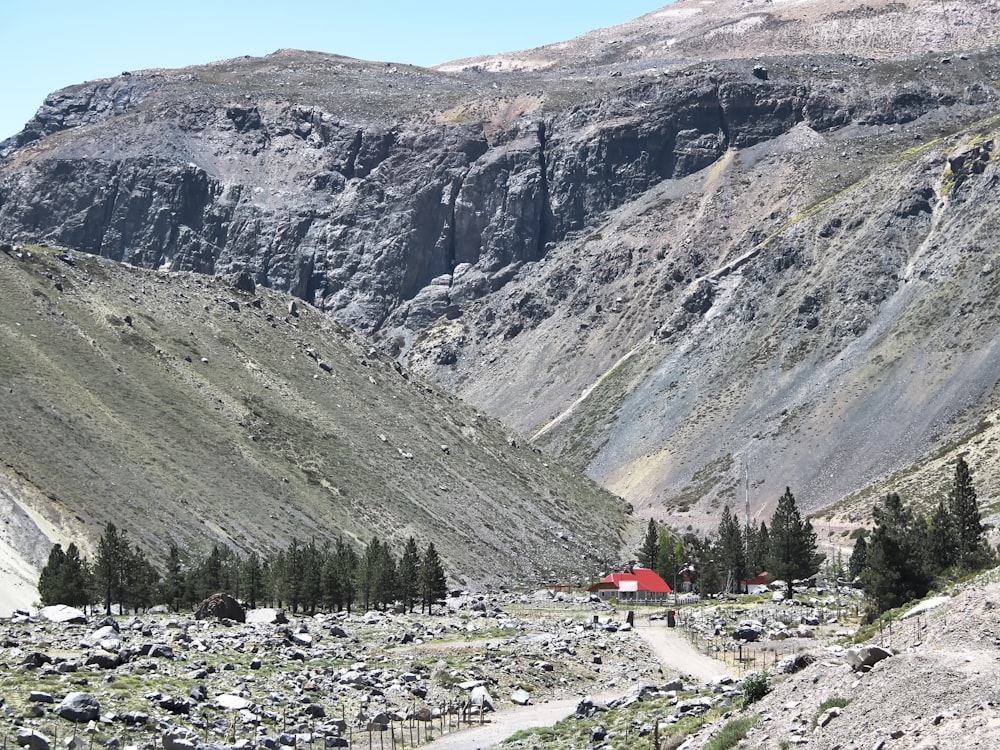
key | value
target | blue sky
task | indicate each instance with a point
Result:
(45, 46)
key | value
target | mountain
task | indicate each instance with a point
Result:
(723, 249)
(193, 410)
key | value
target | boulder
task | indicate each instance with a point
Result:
(266, 616)
(62, 613)
(865, 657)
(33, 739)
(104, 659)
(176, 738)
(520, 697)
(232, 702)
(222, 607)
(79, 707)
(481, 697)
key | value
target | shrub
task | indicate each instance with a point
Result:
(755, 686)
(835, 702)
(731, 734)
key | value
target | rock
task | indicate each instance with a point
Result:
(244, 282)
(38, 696)
(827, 716)
(62, 613)
(104, 659)
(747, 634)
(520, 697)
(176, 738)
(693, 707)
(222, 607)
(865, 657)
(161, 651)
(79, 707)
(175, 704)
(481, 697)
(134, 718)
(36, 659)
(266, 616)
(33, 739)
(598, 734)
(232, 702)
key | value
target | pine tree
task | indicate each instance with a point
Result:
(51, 581)
(252, 573)
(667, 562)
(970, 546)
(140, 580)
(385, 578)
(173, 585)
(433, 582)
(792, 543)
(409, 574)
(896, 569)
(729, 551)
(312, 577)
(647, 552)
(859, 558)
(112, 553)
(347, 565)
(367, 572)
(942, 546)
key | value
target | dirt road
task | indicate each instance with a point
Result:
(675, 653)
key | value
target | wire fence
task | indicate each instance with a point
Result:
(394, 732)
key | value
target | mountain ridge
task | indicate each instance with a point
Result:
(699, 272)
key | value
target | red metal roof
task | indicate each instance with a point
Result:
(640, 579)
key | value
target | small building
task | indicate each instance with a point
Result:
(638, 585)
(758, 584)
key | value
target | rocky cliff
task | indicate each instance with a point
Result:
(722, 249)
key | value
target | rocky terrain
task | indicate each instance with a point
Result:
(192, 410)
(726, 248)
(924, 679)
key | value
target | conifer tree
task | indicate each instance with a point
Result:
(859, 558)
(730, 552)
(252, 573)
(409, 574)
(433, 582)
(647, 552)
(109, 569)
(173, 584)
(942, 546)
(792, 543)
(368, 572)
(895, 570)
(667, 562)
(970, 547)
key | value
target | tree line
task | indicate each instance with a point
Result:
(907, 554)
(722, 562)
(303, 576)
(902, 558)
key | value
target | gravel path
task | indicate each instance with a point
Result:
(676, 653)
(672, 649)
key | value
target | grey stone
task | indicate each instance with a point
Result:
(33, 739)
(62, 613)
(79, 707)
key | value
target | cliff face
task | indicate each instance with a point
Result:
(658, 251)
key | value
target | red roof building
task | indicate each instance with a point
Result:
(636, 585)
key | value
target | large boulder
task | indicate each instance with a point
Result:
(62, 613)
(33, 739)
(79, 707)
(221, 606)
(865, 657)
(267, 616)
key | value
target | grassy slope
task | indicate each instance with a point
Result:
(199, 422)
